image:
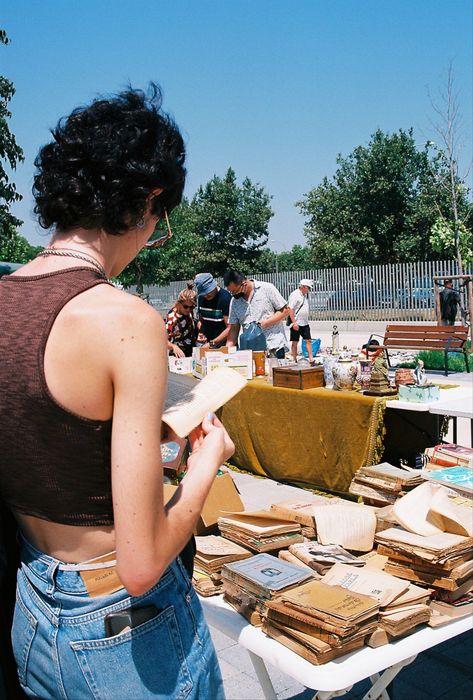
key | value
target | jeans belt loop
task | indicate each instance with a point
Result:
(50, 576)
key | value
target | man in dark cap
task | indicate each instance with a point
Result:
(212, 310)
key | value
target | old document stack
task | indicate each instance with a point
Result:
(321, 622)
(260, 531)
(212, 553)
(248, 585)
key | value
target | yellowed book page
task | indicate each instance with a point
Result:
(332, 600)
(350, 527)
(452, 512)
(207, 396)
(217, 546)
(377, 584)
(374, 560)
(412, 510)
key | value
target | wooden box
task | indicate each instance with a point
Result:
(295, 378)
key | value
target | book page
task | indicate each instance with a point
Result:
(431, 508)
(451, 512)
(217, 546)
(207, 396)
(373, 582)
(412, 510)
(352, 527)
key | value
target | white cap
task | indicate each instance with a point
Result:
(306, 283)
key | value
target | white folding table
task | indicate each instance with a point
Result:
(459, 408)
(337, 677)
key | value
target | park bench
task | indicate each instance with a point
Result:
(402, 336)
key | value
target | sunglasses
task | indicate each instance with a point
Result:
(186, 306)
(162, 238)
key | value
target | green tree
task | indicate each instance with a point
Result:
(11, 154)
(179, 258)
(231, 221)
(379, 206)
(15, 248)
(452, 234)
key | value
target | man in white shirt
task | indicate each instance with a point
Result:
(299, 318)
(256, 302)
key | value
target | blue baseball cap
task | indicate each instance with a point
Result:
(204, 283)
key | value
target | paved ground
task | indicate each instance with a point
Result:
(442, 673)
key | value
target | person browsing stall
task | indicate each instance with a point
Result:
(213, 307)
(105, 607)
(256, 302)
(181, 326)
(298, 304)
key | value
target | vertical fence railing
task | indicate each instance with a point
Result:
(401, 292)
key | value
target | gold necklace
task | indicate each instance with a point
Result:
(72, 253)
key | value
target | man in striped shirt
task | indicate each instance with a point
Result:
(212, 310)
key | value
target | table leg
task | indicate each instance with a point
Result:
(378, 689)
(263, 676)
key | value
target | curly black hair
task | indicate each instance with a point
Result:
(105, 160)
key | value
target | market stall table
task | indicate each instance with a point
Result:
(459, 408)
(336, 677)
(321, 437)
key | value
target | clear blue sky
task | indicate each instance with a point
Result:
(274, 88)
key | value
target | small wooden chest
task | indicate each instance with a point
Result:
(296, 378)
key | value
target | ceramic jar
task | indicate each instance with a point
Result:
(328, 362)
(344, 374)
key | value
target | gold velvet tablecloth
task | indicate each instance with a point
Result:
(316, 436)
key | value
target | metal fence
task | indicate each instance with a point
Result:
(402, 292)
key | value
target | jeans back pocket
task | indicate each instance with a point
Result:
(148, 661)
(23, 632)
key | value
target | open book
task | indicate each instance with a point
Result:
(207, 396)
(431, 508)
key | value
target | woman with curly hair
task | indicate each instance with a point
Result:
(105, 606)
(181, 326)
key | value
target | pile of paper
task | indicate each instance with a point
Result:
(301, 511)
(382, 484)
(320, 622)
(212, 553)
(260, 531)
(403, 606)
(442, 561)
(248, 585)
(321, 557)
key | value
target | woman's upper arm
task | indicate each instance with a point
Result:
(139, 375)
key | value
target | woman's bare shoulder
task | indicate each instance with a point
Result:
(110, 312)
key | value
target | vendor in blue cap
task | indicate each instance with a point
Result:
(212, 310)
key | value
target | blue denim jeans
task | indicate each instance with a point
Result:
(61, 649)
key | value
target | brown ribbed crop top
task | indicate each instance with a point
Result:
(54, 464)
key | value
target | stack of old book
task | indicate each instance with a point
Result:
(445, 610)
(403, 606)
(212, 553)
(301, 511)
(321, 622)
(448, 455)
(260, 531)
(382, 484)
(321, 557)
(441, 561)
(248, 585)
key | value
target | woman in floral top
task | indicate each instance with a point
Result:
(180, 324)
